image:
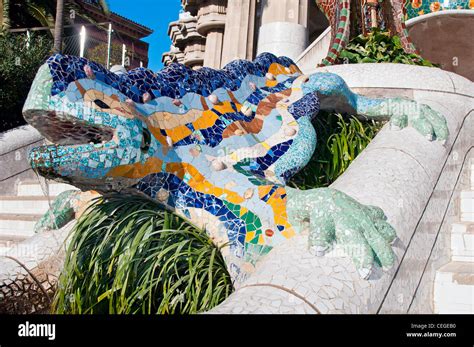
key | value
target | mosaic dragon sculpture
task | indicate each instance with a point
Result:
(349, 19)
(216, 147)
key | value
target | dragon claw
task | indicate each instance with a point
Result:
(319, 251)
(361, 231)
(394, 127)
(365, 273)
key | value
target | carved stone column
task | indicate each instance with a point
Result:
(191, 6)
(210, 24)
(239, 30)
(284, 27)
(189, 43)
(173, 56)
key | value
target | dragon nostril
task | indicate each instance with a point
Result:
(146, 140)
(101, 104)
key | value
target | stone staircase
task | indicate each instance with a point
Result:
(454, 282)
(315, 53)
(19, 213)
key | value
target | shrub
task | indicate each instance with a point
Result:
(128, 255)
(379, 47)
(18, 66)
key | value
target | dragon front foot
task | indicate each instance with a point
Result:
(336, 218)
(68, 205)
(428, 122)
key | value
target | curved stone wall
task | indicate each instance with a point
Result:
(30, 271)
(445, 38)
(399, 172)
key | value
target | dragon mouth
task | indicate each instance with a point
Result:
(65, 130)
(68, 139)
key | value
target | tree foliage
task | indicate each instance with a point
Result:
(19, 62)
(99, 54)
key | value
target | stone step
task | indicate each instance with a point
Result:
(34, 188)
(15, 228)
(8, 241)
(462, 242)
(454, 288)
(467, 217)
(15, 235)
(467, 201)
(10, 238)
(467, 206)
(24, 222)
(471, 166)
(37, 205)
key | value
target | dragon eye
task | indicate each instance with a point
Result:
(146, 139)
(100, 103)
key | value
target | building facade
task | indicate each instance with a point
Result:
(89, 13)
(125, 31)
(214, 32)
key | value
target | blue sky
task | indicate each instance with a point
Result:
(155, 14)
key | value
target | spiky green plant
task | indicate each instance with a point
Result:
(127, 255)
(339, 141)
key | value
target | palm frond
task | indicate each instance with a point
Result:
(41, 14)
(105, 6)
(73, 7)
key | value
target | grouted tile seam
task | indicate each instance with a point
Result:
(289, 291)
(421, 216)
(441, 223)
(33, 277)
(182, 176)
(452, 81)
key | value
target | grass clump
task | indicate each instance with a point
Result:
(339, 141)
(127, 255)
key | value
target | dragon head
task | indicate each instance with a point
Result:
(108, 131)
(98, 134)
